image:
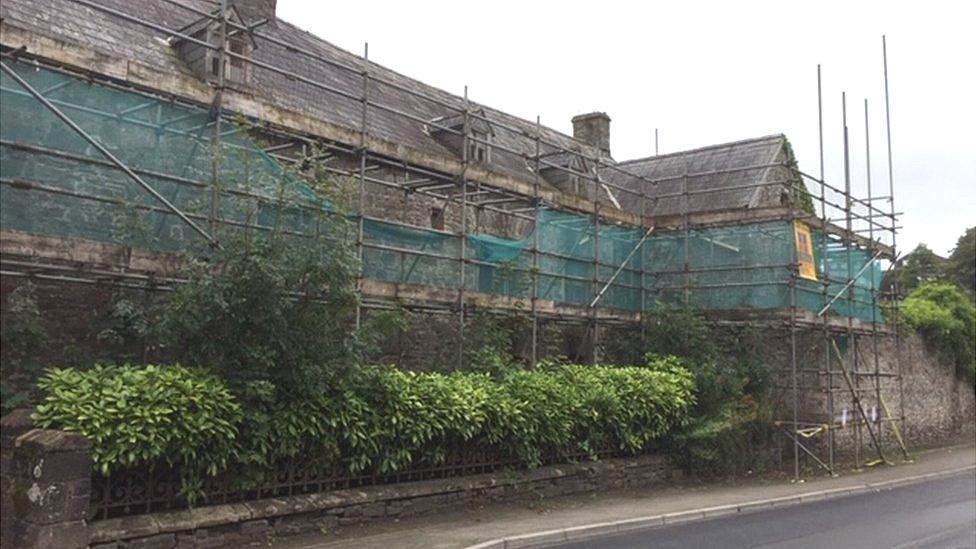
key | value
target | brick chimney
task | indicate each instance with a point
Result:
(593, 129)
(255, 10)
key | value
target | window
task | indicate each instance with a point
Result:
(236, 68)
(215, 66)
(437, 218)
(479, 151)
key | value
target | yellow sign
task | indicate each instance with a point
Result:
(804, 251)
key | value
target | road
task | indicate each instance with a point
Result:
(934, 514)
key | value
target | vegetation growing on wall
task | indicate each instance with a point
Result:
(946, 318)
(800, 195)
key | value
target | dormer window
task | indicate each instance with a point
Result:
(479, 148)
(205, 61)
(449, 131)
(237, 68)
(561, 169)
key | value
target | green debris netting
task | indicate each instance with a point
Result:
(56, 184)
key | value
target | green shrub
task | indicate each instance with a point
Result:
(375, 420)
(388, 419)
(729, 426)
(145, 415)
(947, 320)
(268, 309)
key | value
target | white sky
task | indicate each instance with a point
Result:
(708, 72)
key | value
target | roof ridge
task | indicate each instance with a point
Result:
(705, 148)
(430, 87)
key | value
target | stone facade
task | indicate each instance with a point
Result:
(939, 405)
(46, 486)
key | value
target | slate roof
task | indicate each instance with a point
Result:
(739, 168)
(69, 21)
(114, 36)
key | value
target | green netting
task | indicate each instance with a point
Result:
(56, 184)
(417, 256)
(836, 266)
(169, 145)
(738, 267)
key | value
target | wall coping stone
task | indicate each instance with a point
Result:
(138, 526)
(52, 441)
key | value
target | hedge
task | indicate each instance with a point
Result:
(379, 419)
(143, 415)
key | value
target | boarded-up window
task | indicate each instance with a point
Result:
(437, 218)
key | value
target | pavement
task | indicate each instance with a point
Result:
(547, 521)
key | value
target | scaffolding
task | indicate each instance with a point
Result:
(201, 172)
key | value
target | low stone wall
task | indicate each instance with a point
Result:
(47, 487)
(256, 521)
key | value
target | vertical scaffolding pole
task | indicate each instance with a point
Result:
(361, 195)
(685, 228)
(848, 243)
(643, 254)
(535, 242)
(794, 272)
(463, 178)
(825, 283)
(874, 290)
(595, 336)
(216, 109)
(894, 230)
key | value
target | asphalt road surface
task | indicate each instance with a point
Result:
(934, 514)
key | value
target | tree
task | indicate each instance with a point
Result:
(269, 309)
(961, 267)
(921, 265)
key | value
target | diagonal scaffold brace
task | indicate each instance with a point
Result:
(620, 268)
(857, 401)
(105, 152)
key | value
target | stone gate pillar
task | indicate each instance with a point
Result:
(46, 484)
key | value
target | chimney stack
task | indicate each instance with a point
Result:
(255, 10)
(593, 129)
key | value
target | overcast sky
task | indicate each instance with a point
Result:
(709, 72)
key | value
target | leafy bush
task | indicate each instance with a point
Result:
(947, 320)
(730, 424)
(136, 415)
(386, 420)
(726, 362)
(375, 420)
(268, 310)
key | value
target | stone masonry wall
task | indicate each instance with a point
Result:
(257, 521)
(47, 487)
(939, 406)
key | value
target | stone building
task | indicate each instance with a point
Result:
(461, 206)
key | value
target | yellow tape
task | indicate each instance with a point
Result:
(812, 431)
